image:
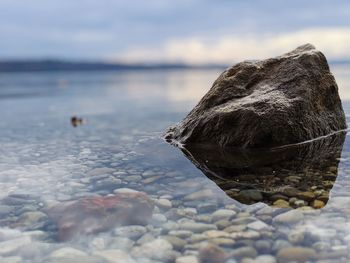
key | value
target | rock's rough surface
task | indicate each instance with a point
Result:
(278, 101)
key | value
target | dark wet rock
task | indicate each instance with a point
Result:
(249, 196)
(258, 175)
(278, 101)
(96, 214)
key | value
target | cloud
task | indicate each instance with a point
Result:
(229, 49)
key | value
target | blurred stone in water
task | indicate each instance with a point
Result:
(295, 175)
(97, 214)
(75, 121)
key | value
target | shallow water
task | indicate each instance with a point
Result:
(64, 189)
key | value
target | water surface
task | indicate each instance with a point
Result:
(47, 165)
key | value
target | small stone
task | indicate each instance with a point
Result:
(197, 227)
(336, 252)
(222, 242)
(169, 226)
(148, 173)
(34, 250)
(321, 246)
(317, 204)
(196, 238)
(222, 224)
(152, 179)
(187, 212)
(205, 218)
(187, 259)
(258, 226)
(200, 195)
(124, 190)
(177, 243)
(333, 169)
(290, 191)
(115, 256)
(132, 232)
(296, 237)
(157, 249)
(98, 243)
(263, 246)
(36, 234)
(292, 200)
(281, 203)
(67, 251)
(250, 234)
(235, 228)
(148, 237)
(276, 197)
(324, 197)
(6, 209)
(307, 196)
(290, 217)
(248, 196)
(206, 207)
(320, 234)
(212, 254)
(265, 259)
(122, 243)
(158, 219)
(296, 254)
(223, 214)
(30, 219)
(293, 179)
(280, 244)
(163, 203)
(99, 171)
(10, 246)
(244, 252)
(181, 233)
(216, 233)
(300, 203)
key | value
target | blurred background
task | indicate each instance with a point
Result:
(182, 31)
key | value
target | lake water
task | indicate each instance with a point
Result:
(111, 190)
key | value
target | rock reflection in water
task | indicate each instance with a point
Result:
(298, 175)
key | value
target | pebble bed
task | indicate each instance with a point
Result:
(193, 220)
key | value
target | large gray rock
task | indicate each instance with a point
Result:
(283, 100)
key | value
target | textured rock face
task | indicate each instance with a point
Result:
(278, 101)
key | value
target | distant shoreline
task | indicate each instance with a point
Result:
(58, 65)
(61, 65)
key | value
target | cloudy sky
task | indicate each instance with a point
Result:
(192, 31)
